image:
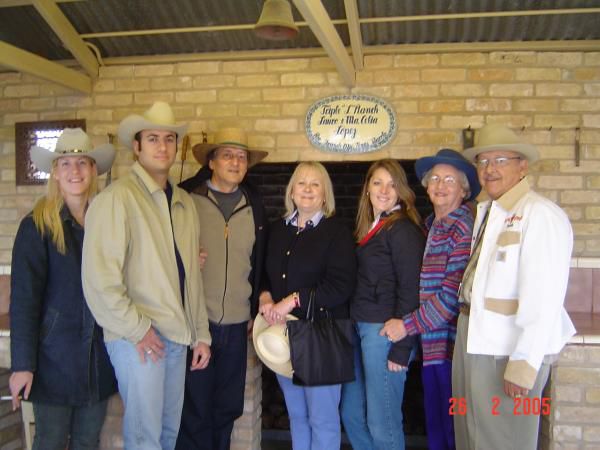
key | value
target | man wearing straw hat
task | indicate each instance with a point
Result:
(232, 224)
(142, 281)
(512, 322)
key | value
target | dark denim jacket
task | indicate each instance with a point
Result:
(53, 333)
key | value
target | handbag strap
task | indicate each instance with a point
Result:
(310, 309)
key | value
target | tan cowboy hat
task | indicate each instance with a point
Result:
(496, 137)
(73, 142)
(272, 345)
(228, 137)
(159, 117)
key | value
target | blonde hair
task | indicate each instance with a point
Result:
(46, 212)
(406, 198)
(329, 204)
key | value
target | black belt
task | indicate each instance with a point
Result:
(465, 308)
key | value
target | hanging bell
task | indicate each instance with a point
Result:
(276, 21)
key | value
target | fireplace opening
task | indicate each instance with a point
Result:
(347, 177)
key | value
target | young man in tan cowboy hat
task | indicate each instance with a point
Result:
(512, 322)
(232, 224)
(142, 281)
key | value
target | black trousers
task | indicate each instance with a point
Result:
(214, 397)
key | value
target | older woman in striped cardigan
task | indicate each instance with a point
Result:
(450, 181)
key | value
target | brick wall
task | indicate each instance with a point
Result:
(434, 95)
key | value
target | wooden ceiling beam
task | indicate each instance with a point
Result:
(68, 35)
(14, 3)
(319, 22)
(23, 61)
(356, 42)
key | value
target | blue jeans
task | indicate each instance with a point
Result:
(214, 397)
(372, 404)
(152, 394)
(314, 415)
(55, 423)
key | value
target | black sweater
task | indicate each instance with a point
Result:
(387, 286)
(320, 258)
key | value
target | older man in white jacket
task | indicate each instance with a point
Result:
(512, 323)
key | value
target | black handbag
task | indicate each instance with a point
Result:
(321, 350)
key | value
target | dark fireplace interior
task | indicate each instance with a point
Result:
(347, 178)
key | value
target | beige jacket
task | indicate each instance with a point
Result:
(130, 276)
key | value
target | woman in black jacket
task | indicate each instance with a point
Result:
(389, 254)
(58, 358)
(309, 251)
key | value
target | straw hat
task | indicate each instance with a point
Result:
(454, 159)
(228, 137)
(496, 137)
(73, 142)
(159, 117)
(272, 345)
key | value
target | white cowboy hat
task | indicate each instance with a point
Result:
(159, 117)
(73, 142)
(272, 345)
(496, 137)
(228, 137)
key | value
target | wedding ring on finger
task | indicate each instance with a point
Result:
(517, 395)
(390, 339)
(149, 351)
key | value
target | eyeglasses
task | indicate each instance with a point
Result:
(229, 156)
(448, 180)
(500, 161)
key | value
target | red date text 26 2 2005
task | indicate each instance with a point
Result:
(521, 406)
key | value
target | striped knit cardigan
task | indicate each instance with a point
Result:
(446, 256)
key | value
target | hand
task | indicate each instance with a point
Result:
(266, 306)
(202, 258)
(16, 383)
(151, 346)
(393, 367)
(514, 390)
(283, 308)
(200, 356)
(394, 329)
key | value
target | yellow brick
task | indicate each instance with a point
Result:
(573, 212)
(7, 105)
(587, 229)
(587, 74)
(591, 434)
(102, 129)
(213, 81)
(560, 182)
(566, 433)
(463, 90)
(51, 90)
(557, 89)
(11, 119)
(277, 126)
(488, 104)
(74, 102)
(437, 138)
(217, 110)
(243, 66)
(292, 140)
(294, 109)
(409, 122)
(433, 106)
(287, 65)
(582, 197)
(334, 79)
(378, 91)
(197, 96)
(416, 90)
(116, 71)
(516, 58)
(114, 99)
(443, 75)
(592, 89)
(147, 98)
(591, 104)
(100, 115)
(56, 115)
(490, 74)
(556, 121)
(302, 79)
(511, 89)
(593, 213)
(545, 73)
(460, 122)
(260, 110)
(104, 86)
(463, 59)
(512, 121)
(590, 151)
(10, 78)
(283, 94)
(591, 120)
(322, 64)
(184, 112)
(154, 70)
(257, 80)
(284, 155)
(592, 59)
(588, 166)
(407, 107)
(197, 68)
(536, 105)
(239, 95)
(165, 83)
(40, 104)
(364, 78)
(560, 59)
(132, 84)
(22, 90)
(378, 61)
(416, 60)
(395, 76)
(556, 151)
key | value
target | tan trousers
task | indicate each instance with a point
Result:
(478, 391)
